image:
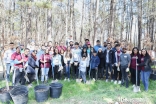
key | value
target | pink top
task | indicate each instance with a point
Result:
(61, 48)
(47, 58)
(17, 56)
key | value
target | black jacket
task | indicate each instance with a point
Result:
(146, 63)
(102, 57)
(111, 56)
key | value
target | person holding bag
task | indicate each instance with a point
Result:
(145, 68)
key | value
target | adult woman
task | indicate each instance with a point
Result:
(84, 52)
(45, 65)
(135, 55)
(31, 66)
(67, 60)
(57, 64)
(145, 68)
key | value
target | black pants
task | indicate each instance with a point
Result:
(50, 72)
(93, 73)
(100, 72)
(133, 76)
(75, 71)
(39, 70)
(57, 74)
(19, 77)
(31, 77)
(117, 74)
(124, 76)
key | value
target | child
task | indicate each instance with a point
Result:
(95, 61)
(82, 68)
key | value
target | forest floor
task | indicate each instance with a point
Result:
(99, 92)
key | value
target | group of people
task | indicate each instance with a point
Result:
(77, 62)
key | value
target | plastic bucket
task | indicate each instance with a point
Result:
(4, 94)
(41, 93)
(19, 94)
(55, 90)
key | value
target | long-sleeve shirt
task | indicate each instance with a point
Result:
(83, 65)
(76, 55)
(7, 56)
(56, 60)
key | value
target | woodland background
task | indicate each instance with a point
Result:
(129, 21)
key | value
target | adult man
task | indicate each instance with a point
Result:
(18, 62)
(124, 62)
(62, 47)
(104, 46)
(98, 45)
(76, 57)
(86, 43)
(69, 40)
(109, 61)
(7, 60)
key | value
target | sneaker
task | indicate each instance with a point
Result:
(119, 82)
(115, 82)
(94, 79)
(139, 89)
(111, 80)
(56, 80)
(68, 80)
(133, 86)
(29, 85)
(106, 80)
(65, 79)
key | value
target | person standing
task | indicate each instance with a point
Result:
(57, 64)
(86, 43)
(17, 62)
(135, 55)
(124, 63)
(109, 61)
(145, 68)
(82, 67)
(101, 65)
(98, 45)
(7, 60)
(95, 61)
(67, 61)
(104, 46)
(45, 65)
(76, 57)
(117, 71)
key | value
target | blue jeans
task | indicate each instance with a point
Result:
(108, 65)
(44, 74)
(145, 79)
(8, 67)
(83, 76)
(68, 71)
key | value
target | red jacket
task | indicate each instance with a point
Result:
(48, 59)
